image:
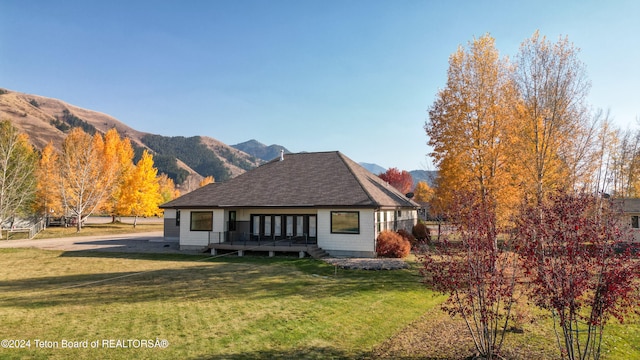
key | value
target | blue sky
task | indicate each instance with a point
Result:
(353, 76)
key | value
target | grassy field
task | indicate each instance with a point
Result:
(226, 308)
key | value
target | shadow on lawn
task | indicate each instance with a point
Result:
(312, 353)
(229, 279)
(144, 249)
(308, 353)
(133, 246)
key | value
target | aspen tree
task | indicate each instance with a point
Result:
(207, 180)
(118, 162)
(423, 192)
(83, 180)
(552, 85)
(18, 162)
(168, 189)
(471, 128)
(48, 193)
(141, 193)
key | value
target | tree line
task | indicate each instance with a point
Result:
(92, 173)
(519, 130)
(528, 175)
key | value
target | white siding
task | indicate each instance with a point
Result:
(634, 231)
(169, 213)
(195, 239)
(363, 242)
(387, 219)
(219, 224)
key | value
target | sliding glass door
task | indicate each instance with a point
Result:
(279, 227)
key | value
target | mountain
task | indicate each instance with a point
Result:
(373, 168)
(417, 175)
(46, 120)
(427, 176)
(260, 150)
(185, 160)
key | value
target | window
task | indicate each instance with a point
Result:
(634, 222)
(201, 221)
(232, 221)
(267, 226)
(284, 226)
(312, 226)
(345, 222)
(289, 225)
(299, 226)
(178, 218)
(256, 225)
(277, 225)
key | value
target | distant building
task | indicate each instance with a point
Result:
(631, 209)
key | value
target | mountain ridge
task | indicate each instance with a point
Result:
(47, 120)
(261, 151)
(373, 168)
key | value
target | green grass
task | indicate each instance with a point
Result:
(87, 230)
(620, 341)
(224, 308)
(95, 229)
(238, 308)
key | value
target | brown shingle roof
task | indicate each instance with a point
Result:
(320, 179)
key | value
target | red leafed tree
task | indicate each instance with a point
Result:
(476, 271)
(576, 252)
(400, 180)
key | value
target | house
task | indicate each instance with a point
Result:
(306, 202)
(631, 209)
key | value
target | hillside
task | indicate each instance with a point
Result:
(373, 168)
(49, 120)
(44, 118)
(428, 176)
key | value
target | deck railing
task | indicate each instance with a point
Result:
(244, 238)
(396, 225)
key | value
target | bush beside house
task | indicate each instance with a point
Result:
(392, 244)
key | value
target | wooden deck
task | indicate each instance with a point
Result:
(271, 247)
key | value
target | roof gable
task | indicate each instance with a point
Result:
(321, 179)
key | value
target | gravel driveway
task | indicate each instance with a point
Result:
(149, 242)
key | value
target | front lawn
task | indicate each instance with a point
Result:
(224, 308)
(240, 308)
